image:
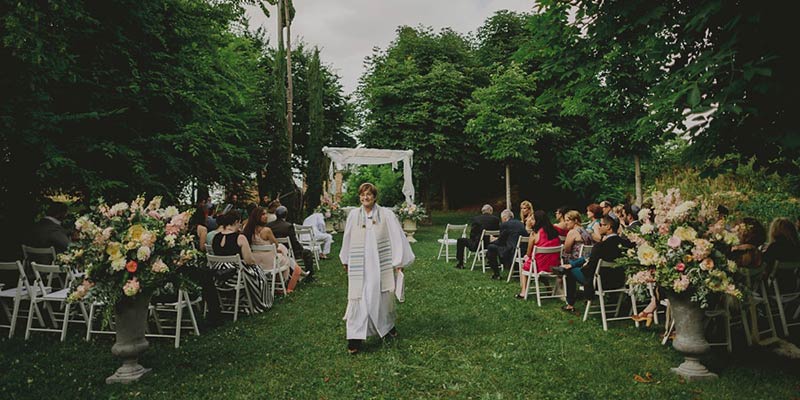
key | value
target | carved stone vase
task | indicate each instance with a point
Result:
(410, 228)
(131, 322)
(690, 338)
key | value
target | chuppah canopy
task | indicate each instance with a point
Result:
(341, 157)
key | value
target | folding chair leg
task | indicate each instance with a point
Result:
(440, 252)
(536, 285)
(781, 312)
(66, 321)
(179, 319)
(602, 302)
(89, 322)
(191, 314)
(30, 319)
(634, 309)
(14, 316)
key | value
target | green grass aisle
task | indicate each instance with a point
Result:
(461, 336)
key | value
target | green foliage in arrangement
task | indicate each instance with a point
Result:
(473, 345)
(388, 182)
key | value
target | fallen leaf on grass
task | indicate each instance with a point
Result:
(327, 379)
(648, 378)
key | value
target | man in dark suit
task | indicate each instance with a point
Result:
(608, 249)
(281, 228)
(49, 232)
(503, 248)
(484, 221)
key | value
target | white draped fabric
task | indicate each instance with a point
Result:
(374, 313)
(341, 157)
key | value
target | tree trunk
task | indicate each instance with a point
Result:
(445, 206)
(638, 177)
(508, 186)
(289, 114)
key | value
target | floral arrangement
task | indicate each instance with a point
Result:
(413, 212)
(682, 246)
(330, 209)
(127, 249)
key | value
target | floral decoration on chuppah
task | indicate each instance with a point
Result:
(126, 249)
(682, 246)
(410, 212)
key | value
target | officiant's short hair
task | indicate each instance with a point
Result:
(366, 186)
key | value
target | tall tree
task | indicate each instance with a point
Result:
(506, 122)
(316, 132)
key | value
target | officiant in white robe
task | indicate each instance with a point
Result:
(374, 248)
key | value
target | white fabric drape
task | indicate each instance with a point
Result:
(341, 157)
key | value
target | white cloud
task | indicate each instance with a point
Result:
(347, 30)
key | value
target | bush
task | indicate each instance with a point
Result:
(388, 182)
(744, 189)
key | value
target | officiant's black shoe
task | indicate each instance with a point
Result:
(392, 333)
(460, 266)
(353, 346)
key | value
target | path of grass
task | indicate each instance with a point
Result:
(461, 336)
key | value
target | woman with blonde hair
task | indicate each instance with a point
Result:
(526, 215)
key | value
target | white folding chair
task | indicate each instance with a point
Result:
(276, 272)
(725, 311)
(306, 237)
(519, 258)
(601, 293)
(785, 273)
(535, 275)
(288, 243)
(17, 295)
(758, 297)
(44, 256)
(163, 323)
(237, 289)
(43, 295)
(585, 252)
(446, 241)
(480, 252)
(93, 307)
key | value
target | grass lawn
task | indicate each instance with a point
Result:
(462, 335)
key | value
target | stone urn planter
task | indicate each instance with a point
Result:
(410, 228)
(329, 227)
(338, 226)
(131, 322)
(690, 339)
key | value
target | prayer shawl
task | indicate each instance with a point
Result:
(355, 273)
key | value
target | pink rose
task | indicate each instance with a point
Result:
(680, 267)
(674, 242)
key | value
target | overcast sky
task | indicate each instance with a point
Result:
(347, 30)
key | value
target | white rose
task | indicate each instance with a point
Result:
(143, 253)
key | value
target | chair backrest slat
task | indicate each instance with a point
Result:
(263, 247)
(547, 250)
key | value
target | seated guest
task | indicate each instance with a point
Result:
(197, 226)
(608, 209)
(576, 237)
(49, 232)
(485, 221)
(257, 233)
(582, 271)
(526, 215)
(317, 222)
(783, 245)
(594, 212)
(544, 235)
(283, 229)
(752, 235)
(503, 248)
(561, 224)
(630, 221)
(229, 242)
(273, 205)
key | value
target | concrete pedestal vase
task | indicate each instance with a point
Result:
(690, 339)
(131, 322)
(410, 228)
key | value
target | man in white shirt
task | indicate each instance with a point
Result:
(317, 222)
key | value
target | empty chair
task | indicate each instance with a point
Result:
(43, 295)
(16, 295)
(448, 239)
(164, 324)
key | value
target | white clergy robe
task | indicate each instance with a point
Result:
(371, 310)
